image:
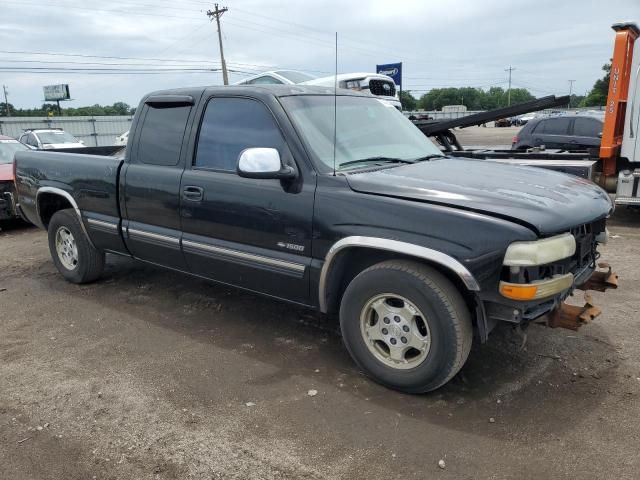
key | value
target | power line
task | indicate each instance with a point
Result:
(122, 72)
(116, 69)
(114, 57)
(190, 34)
(129, 12)
(71, 62)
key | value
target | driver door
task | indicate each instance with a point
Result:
(252, 233)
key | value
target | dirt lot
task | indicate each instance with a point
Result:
(151, 374)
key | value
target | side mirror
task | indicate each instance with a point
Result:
(263, 163)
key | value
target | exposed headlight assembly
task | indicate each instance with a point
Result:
(540, 252)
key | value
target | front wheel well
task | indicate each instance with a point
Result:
(49, 204)
(350, 262)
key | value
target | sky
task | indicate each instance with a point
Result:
(172, 43)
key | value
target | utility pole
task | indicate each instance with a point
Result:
(510, 69)
(570, 91)
(6, 102)
(217, 13)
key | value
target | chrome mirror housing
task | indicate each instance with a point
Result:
(263, 163)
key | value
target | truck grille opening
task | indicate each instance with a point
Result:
(584, 258)
(382, 88)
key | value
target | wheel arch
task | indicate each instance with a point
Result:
(350, 255)
(50, 200)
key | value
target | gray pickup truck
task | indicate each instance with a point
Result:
(245, 186)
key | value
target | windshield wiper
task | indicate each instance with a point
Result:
(428, 157)
(375, 160)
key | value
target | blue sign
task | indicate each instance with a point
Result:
(393, 70)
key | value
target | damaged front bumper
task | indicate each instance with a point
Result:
(573, 317)
(553, 310)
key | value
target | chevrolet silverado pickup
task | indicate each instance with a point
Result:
(332, 200)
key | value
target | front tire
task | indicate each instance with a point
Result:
(406, 325)
(73, 255)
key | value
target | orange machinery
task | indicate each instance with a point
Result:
(617, 98)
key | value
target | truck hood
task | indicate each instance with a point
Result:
(545, 201)
(6, 172)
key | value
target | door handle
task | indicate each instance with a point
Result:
(192, 193)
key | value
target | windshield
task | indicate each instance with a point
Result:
(8, 148)
(48, 138)
(367, 128)
(295, 77)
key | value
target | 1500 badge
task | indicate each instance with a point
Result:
(291, 246)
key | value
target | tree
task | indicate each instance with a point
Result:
(118, 108)
(408, 101)
(472, 98)
(597, 97)
(3, 109)
(576, 100)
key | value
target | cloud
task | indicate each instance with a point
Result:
(453, 43)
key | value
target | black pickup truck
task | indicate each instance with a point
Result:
(337, 203)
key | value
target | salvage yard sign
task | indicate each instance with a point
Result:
(56, 92)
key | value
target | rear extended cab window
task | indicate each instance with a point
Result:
(161, 134)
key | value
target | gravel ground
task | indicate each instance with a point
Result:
(487, 136)
(149, 374)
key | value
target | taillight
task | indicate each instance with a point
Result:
(15, 167)
(514, 140)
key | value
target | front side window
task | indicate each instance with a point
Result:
(231, 125)
(587, 127)
(32, 140)
(161, 136)
(366, 128)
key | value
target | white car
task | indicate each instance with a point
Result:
(50, 139)
(122, 139)
(378, 85)
(277, 77)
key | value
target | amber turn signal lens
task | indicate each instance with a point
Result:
(518, 292)
(540, 289)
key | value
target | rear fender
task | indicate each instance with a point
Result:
(62, 194)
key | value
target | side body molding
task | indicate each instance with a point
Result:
(66, 195)
(393, 246)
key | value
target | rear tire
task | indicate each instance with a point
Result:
(406, 325)
(73, 255)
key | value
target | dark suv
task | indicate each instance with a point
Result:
(566, 133)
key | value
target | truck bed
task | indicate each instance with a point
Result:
(91, 181)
